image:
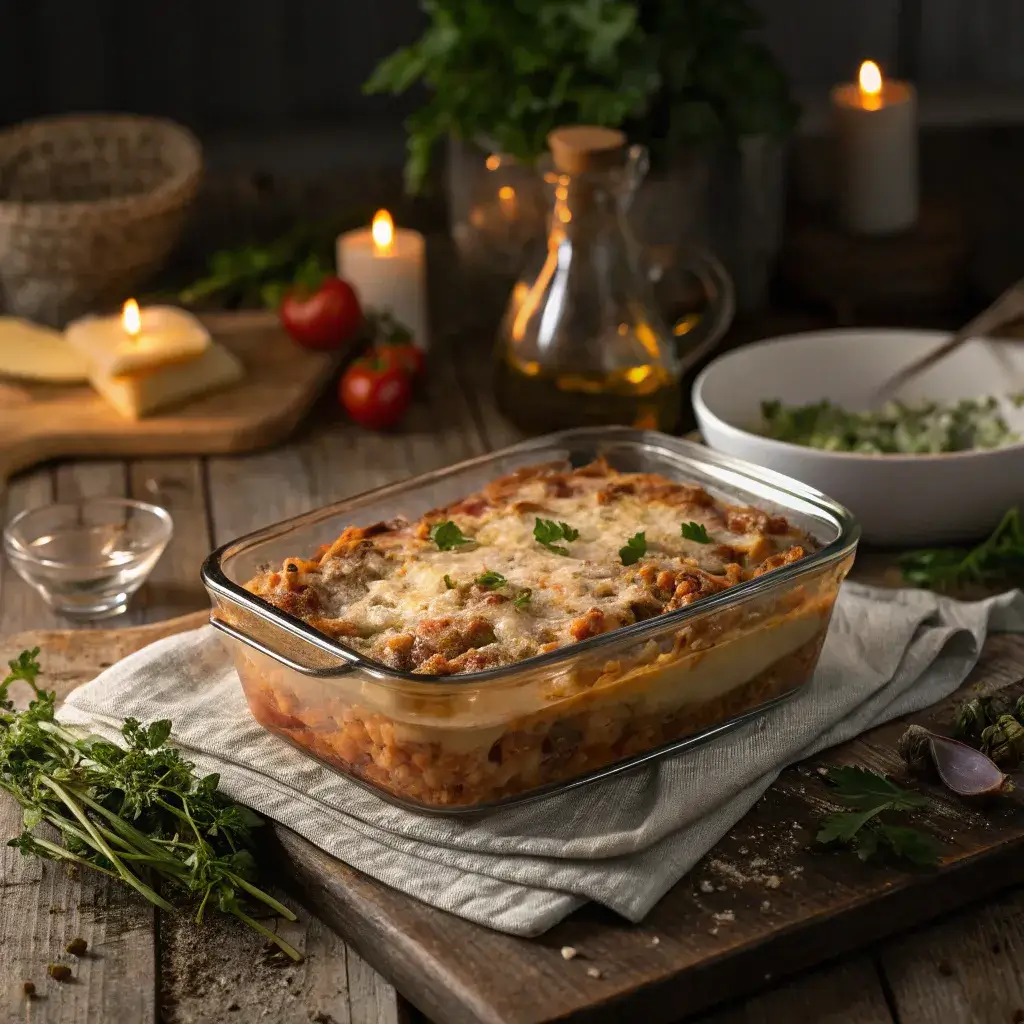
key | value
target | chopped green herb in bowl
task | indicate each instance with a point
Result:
(925, 428)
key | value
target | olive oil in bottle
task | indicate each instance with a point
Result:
(583, 341)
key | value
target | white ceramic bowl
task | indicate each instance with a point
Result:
(899, 499)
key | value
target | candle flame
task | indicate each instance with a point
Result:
(131, 318)
(383, 229)
(506, 193)
(493, 162)
(870, 78)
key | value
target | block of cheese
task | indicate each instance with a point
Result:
(139, 394)
(31, 352)
(164, 335)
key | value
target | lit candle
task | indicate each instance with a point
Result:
(387, 267)
(876, 134)
(137, 339)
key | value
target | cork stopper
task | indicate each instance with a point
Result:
(579, 148)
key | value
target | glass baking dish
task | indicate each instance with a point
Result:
(467, 742)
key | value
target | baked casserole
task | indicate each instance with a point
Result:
(539, 560)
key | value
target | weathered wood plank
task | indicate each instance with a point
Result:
(173, 587)
(41, 907)
(967, 970)
(847, 993)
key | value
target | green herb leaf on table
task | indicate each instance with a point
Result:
(490, 580)
(999, 558)
(697, 532)
(547, 533)
(447, 536)
(137, 812)
(635, 548)
(871, 795)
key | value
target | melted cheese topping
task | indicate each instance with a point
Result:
(391, 593)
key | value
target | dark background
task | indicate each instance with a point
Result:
(276, 84)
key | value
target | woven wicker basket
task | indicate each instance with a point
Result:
(89, 207)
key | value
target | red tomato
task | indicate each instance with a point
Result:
(323, 319)
(403, 355)
(374, 394)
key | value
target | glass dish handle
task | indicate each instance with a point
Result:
(696, 334)
(305, 668)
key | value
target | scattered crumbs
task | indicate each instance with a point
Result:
(713, 931)
(796, 872)
(743, 849)
(29, 988)
(768, 976)
(765, 907)
(706, 886)
(568, 952)
(233, 1007)
(655, 940)
(802, 790)
(59, 972)
(720, 888)
(945, 968)
(758, 862)
(796, 824)
(773, 881)
(594, 972)
(76, 947)
(724, 917)
(822, 771)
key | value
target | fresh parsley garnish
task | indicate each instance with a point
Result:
(490, 580)
(547, 533)
(523, 598)
(447, 536)
(134, 810)
(999, 558)
(448, 583)
(696, 532)
(869, 795)
(634, 550)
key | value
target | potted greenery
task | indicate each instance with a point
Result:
(688, 78)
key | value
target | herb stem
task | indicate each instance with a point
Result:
(283, 945)
(101, 845)
(264, 897)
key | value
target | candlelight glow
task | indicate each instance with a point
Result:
(383, 229)
(493, 162)
(506, 193)
(870, 82)
(131, 318)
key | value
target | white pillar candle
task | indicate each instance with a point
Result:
(876, 160)
(387, 268)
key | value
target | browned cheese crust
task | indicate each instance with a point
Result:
(390, 591)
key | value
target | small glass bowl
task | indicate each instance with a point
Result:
(86, 558)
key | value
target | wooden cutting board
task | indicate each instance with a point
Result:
(40, 421)
(781, 905)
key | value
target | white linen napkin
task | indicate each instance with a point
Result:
(622, 842)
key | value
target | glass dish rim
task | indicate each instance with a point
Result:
(217, 582)
(14, 548)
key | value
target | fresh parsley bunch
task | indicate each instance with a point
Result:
(137, 812)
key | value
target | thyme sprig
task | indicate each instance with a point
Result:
(137, 812)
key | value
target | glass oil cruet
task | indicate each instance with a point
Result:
(583, 341)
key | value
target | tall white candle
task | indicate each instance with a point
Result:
(876, 159)
(387, 268)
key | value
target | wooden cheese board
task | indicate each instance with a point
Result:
(43, 421)
(763, 904)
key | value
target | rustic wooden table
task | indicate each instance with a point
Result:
(152, 967)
